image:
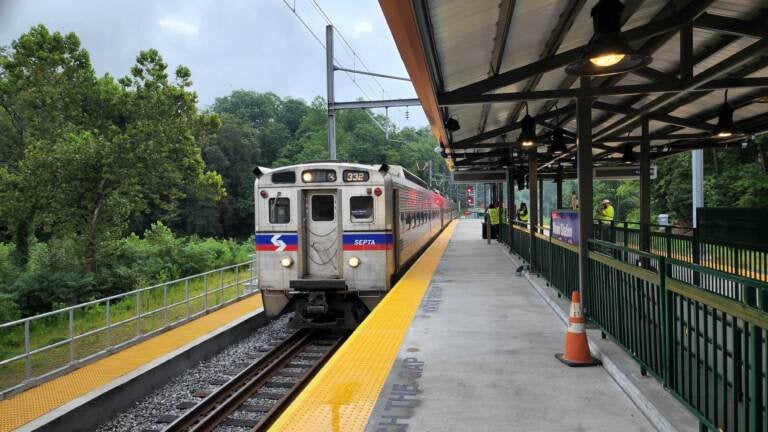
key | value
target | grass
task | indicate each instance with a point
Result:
(124, 325)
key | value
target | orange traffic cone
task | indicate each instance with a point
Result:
(576, 345)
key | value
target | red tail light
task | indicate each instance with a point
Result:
(377, 191)
(263, 194)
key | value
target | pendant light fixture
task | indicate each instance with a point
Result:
(527, 137)
(725, 127)
(452, 124)
(608, 52)
(628, 158)
(557, 146)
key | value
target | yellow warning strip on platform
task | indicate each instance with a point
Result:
(344, 392)
(37, 401)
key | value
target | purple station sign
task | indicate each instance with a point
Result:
(565, 226)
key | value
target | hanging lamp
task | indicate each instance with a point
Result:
(608, 51)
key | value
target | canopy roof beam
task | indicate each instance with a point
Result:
(506, 10)
(564, 23)
(694, 85)
(560, 60)
(699, 81)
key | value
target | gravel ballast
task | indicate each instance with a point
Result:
(206, 376)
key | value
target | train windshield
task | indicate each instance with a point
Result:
(361, 208)
(279, 210)
(322, 208)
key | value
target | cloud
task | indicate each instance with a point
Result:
(177, 26)
(362, 27)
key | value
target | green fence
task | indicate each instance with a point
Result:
(683, 244)
(707, 348)
(700, 331)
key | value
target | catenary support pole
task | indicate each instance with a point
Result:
(329, 80)
(584, 170)
(697, 180)
(533, 184)
(645, 188)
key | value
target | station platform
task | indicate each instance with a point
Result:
(35, 406)
(461, 343)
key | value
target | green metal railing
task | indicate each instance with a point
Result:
(38, 348)
(700, 331)
(708, 349)
(684, 244)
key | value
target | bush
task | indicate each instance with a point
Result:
(9, 310)
(8, 270)
(53, 278)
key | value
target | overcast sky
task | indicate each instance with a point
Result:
(231, 44)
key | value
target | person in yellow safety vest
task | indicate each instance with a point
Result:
(493, 218)
(522, 214)
(606, 211)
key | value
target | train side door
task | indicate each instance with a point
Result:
(396, 227)
(322, 234)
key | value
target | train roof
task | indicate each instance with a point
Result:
(394, 170)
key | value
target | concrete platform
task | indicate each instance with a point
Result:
(479, 355)
(463, 344)
(85, 397)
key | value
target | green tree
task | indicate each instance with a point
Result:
(46, 90)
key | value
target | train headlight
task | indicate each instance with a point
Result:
(354, 262)
(286, 262)
(306, 177)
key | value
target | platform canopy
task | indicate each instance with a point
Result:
(476, 64)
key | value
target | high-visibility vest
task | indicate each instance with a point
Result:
(607, 213)
(522, 216)
(493, 215)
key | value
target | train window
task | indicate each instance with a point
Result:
(284, 177)
(322, 208)
(279, 210)
(361, 208)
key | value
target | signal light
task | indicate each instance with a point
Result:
(263, 194)
(377, 191)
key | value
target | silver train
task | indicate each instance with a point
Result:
(332, 238)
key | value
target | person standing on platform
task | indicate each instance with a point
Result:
(493, 219)
(606, 211)
(522, 214)
(574, 201)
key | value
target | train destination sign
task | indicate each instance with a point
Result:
(353, 176)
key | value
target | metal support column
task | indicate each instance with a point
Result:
(510, 206)
(541, 201)
(533, 184)
(559, 191)
(584, 170)
(645, 188)
(329, 80)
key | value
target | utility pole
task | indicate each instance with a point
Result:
(329, 68)
(697, 180)
(430, 173)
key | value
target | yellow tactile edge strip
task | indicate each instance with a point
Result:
(344, 392)
(37, 401)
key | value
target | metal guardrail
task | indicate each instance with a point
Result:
(708, 348)
(38, 348)
(684, 244)
(700, 331)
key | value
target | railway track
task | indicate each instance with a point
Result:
(256, 396)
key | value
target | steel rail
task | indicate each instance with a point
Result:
(216, 408)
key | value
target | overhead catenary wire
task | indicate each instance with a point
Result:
(348, 47)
